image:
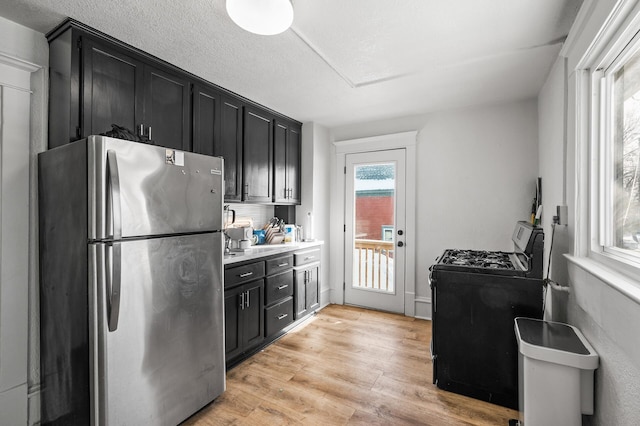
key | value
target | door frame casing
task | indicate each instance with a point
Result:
(407, 141)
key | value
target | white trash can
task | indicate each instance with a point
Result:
(555, 373)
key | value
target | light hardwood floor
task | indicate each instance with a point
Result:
(346, 366)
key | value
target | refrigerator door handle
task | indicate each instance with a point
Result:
(113, 181)
(114, 285)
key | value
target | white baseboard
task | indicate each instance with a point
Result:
(34, 408)
(423, 308)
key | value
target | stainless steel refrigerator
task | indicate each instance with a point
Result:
(131, 293)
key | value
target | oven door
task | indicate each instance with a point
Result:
(474, 347)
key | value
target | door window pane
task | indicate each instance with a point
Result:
(374, 225)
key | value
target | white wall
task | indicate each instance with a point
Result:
(552, 155)
(476, 174)
(26, 45)
(316, 190)
(609, 320)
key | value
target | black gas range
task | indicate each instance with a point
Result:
(476, 295)
(525, 261)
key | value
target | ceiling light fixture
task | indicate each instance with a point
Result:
(264, 17)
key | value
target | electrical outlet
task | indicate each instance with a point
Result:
(562, 215)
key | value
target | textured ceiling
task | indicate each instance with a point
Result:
(343, 61)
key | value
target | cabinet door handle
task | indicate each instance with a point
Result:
(149, 133)
(309, 257)
(283, 286)
(247, 299)
(245, 275)
(246, 189)
(283, 316)
(141, 131)
(283, 264)
(242, 300)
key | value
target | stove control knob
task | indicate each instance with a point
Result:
(400, 232)
(400, 244)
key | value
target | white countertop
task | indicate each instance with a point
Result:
(264, 250)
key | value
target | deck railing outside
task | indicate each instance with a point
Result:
(373, 264)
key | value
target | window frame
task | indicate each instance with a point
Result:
(622, 42)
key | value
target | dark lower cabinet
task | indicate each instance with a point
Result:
(279, 290)
(307, 291)
(265, 297)
(278, 316)
(307, 281)
(244, 325)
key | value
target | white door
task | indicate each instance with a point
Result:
(375, 230)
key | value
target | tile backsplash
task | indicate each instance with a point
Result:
(259, 212)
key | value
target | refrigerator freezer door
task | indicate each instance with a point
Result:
(146, 190)
(165, 359)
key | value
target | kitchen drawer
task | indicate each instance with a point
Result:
(308, 256)
(278, 316)
(243, 274)
(279, 264)
(278, 287)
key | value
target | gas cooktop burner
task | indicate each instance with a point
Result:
(478, 259)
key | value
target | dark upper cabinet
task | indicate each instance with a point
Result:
(206, 119)
(91, 86)
(166, 109)
(217, 130)
(229, 147)
(111, 89)
(286, 160)
(95, 83)
(257, 156)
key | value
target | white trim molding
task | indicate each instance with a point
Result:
(376, 143)
(21, 64)
(15, 208)
(16, 72)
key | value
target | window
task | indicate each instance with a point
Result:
(617, 152)
(626, 154)
(387, 232)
